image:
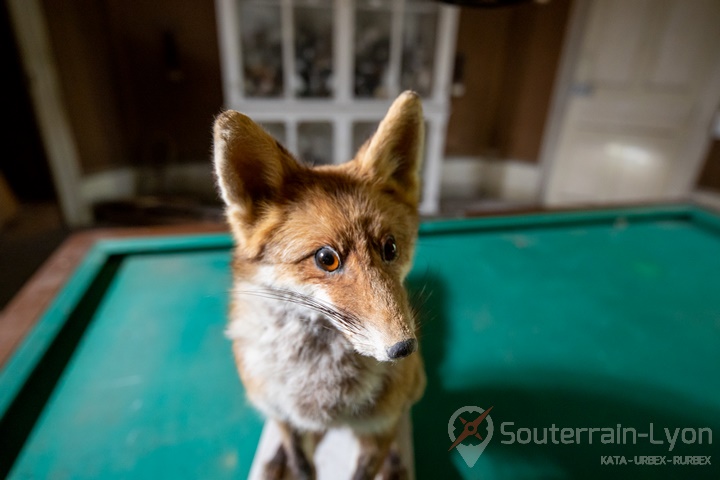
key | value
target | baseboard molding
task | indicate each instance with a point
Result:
(472, 177)
(184, 179)
(462, 177)
(109, 185)
(706, 198)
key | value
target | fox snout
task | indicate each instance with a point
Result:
(381, 321)
(397, 336)
(384, 346)
(389, 342)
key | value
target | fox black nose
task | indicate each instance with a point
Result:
(402, 349)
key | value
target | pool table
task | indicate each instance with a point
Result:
(594, 335)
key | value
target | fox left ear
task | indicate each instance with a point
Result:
(393, 155)
(251, 169)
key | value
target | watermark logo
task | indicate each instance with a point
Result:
(470, 420)
(470, 452)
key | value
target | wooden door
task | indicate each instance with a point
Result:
(645, 85)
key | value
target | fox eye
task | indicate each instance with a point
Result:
(389, 249)
(327, 259)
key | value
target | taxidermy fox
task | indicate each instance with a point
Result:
(321, 327)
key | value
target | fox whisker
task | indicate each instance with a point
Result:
(341, 319)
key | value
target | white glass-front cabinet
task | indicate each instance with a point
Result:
(320, 74)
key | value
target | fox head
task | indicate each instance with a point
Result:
(337, 239)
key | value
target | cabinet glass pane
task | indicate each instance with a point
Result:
(372, 48)
(276, 129)
(315, 142)
(261, 44)
(424, 158)
(361, 132)
(419, 34)
(313, 22)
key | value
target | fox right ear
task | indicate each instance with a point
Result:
(250, 165)
(393, 154)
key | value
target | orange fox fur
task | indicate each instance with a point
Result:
(317, 349)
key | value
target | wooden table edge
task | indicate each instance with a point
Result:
(25, 309)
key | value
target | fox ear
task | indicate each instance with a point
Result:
(250, 165)
(393, 155)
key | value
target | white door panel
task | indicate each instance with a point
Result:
(631, 167)
(691, 27)
(614, 41)
(643, 110)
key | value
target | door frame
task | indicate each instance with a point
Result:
(562, 92)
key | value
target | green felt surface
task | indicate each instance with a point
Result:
(573, 320)
(574, 325)
(151, 391)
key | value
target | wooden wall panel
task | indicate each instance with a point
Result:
(141, 79)
(534, 46)
(169, 69)
(511, 57)
(481, 51)
(710, 175)
(81, 46)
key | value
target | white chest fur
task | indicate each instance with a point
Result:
(299, 368)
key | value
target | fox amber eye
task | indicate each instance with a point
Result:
(389, 249)
(327, 259)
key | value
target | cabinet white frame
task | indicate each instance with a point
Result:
(343, 110)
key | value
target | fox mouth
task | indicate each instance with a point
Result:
(347, 323)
